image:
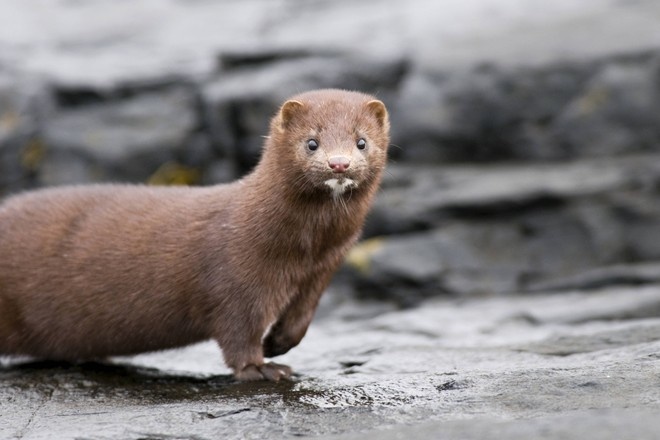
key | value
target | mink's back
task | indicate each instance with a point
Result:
(73, 259)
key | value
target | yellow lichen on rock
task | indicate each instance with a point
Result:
(32, 155)
(360, 256)
(173, 173)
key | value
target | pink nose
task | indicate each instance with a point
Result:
(339, 164)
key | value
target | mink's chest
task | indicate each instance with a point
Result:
(318, 238)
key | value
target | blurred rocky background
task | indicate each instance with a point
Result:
(525, 159)
(526, 136)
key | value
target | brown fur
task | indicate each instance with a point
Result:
(93, 271)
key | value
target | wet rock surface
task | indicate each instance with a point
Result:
(527, 366)
(509, 282)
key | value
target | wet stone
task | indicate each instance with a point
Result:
(428, 369)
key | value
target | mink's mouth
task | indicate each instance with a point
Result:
(339, 185)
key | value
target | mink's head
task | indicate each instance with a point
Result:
(329, 142)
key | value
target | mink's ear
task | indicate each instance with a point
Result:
(377, 108)
(288, 112)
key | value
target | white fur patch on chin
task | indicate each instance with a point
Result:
(339, 187)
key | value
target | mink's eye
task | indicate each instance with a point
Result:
(312, 145)
(361, 144)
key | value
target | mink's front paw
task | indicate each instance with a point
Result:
(268, 371)
(274, 346)
(278, 342)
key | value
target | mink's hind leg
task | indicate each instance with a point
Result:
(10, 322)
(243, 352)
(248, 363)
(269, 371)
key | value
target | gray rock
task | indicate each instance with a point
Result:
(624, 335)
(483, 257)
(507, 228)
(615, 112)
(219, 171)
(612, 424)
(24, 102)
(18, 107)
(102, 46)
(414, 196)
(14, 176)
(606, 305)
(451, 367)
(640, 216)
(68, 168)
(605, 205)
(485, 113)
(641, 273)
(555, 111)
(129, 137)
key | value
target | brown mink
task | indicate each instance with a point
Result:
(100, 270)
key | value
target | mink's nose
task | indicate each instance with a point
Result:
(339, 164)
